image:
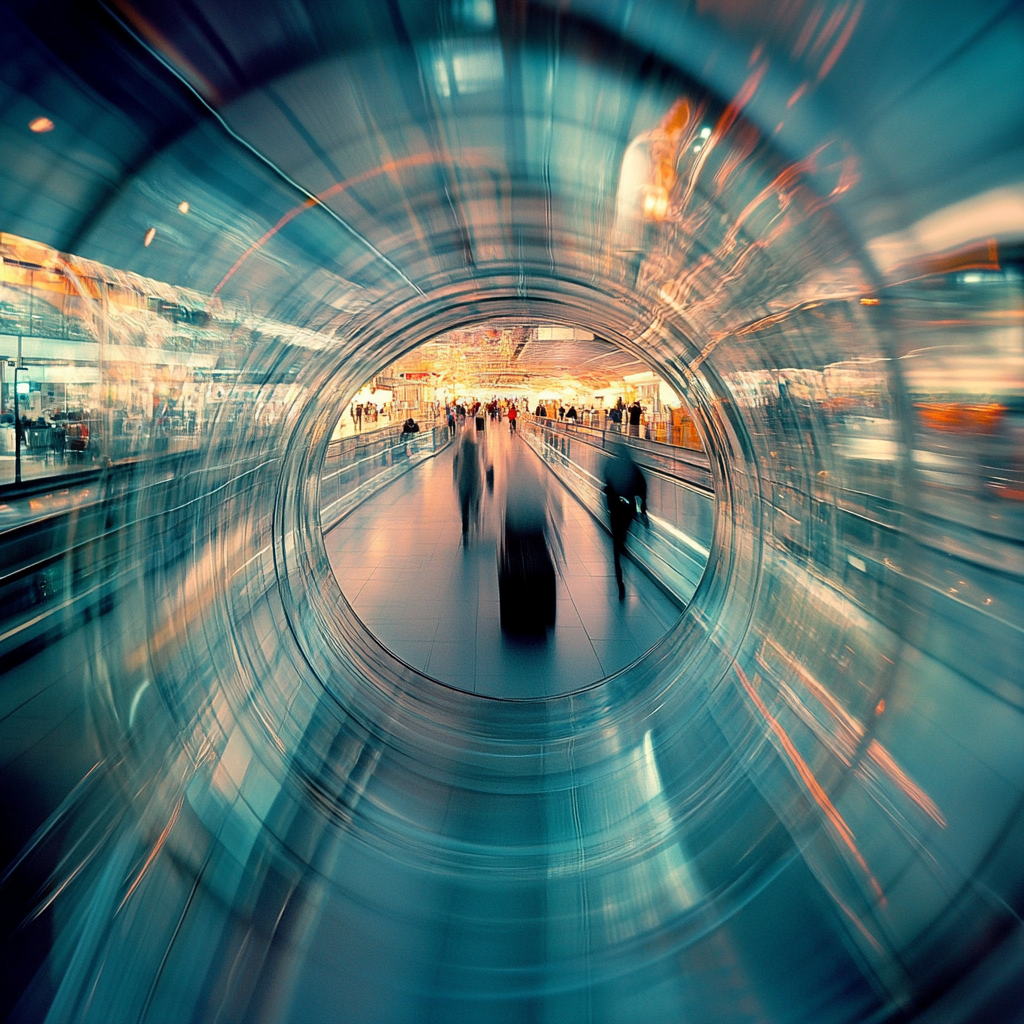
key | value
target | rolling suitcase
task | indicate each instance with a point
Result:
(526, 583)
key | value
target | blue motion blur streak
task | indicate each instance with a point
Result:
(223, 799)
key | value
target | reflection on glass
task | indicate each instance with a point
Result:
(230, 794)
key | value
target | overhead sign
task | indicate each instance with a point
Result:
(556, 332)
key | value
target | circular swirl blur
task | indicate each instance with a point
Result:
(803, 803)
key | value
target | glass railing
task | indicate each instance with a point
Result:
(357, 466)
(675, 544)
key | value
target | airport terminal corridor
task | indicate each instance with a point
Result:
(433, 600)
(749, 279)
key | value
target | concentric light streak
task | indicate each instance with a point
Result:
(224, 800)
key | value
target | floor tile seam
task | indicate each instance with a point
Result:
(612, 668)
(401, 477)
(579, 613)
(7, 764)
(28, 700)
(586, 632)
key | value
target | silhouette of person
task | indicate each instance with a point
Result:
(623, 485)
(468, 481)
(635, 412)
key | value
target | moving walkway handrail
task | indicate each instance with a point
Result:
(652, 455)
(672, 556)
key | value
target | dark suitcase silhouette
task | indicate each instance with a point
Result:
(526, 583)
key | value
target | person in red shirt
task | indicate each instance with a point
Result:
(513, 414)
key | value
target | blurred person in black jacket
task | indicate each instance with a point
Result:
(468, 475)
(624, 487)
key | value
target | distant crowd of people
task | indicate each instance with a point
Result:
(619, 415)
(368, 413)
(497, 409)
(59, 433)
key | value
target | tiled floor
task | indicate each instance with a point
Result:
(433, 601)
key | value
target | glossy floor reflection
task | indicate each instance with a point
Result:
(433, 601)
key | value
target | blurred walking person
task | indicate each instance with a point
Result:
(410, 428)
(624, 487)
(635, 413)
(468, 481)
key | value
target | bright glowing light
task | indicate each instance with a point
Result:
(40, 124)
(183, 207)
(655, 203)
(971, 278)
(680, 535)
(705, 132)
(697, 148)
(479, 13)
(998, 213)
(150, 235)
(869, 302)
